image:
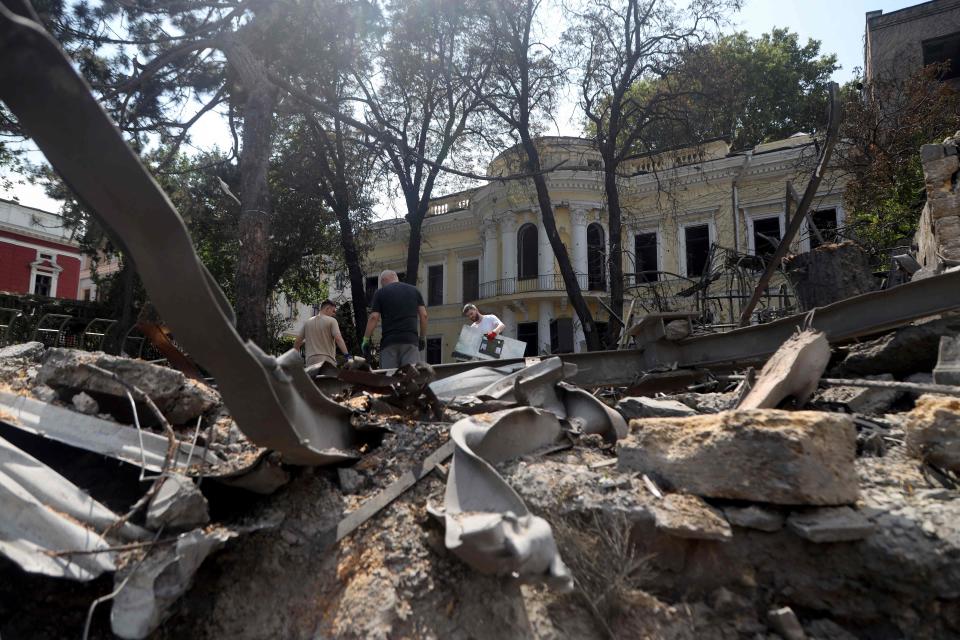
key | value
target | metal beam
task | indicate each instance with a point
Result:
(859, 316)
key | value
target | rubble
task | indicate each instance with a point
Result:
(947, 370)
(933, 431)
(26, 350)
(792, 372)
(177, 505)
(900, 353)
(642, 407)
(85, 404)
(180, 398)
(755, 517)
(801, 457)
(687, 516)
(862, 399)
(784, 622)
(830, 524)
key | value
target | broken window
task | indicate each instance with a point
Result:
(696, 239)
(435, 285)
(766, 236)
(42, 284)
(527, 251)
(471, 280)
(596, 258)
(827, 224)
(945, 49)
(646, 259)
(434, 350)
(528, 332)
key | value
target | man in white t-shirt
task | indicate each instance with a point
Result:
(489, 324)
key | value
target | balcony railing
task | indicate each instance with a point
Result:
(548, 282)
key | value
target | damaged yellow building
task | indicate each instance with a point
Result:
(686, 215)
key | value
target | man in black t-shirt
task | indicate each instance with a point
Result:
(401, 309)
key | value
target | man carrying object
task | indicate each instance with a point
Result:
(488, 324)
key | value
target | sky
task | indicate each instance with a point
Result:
(838, 24)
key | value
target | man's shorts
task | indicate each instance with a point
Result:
(397, 355)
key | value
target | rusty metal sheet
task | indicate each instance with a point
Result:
(266, 396)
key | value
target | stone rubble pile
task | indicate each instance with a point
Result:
(833, 518)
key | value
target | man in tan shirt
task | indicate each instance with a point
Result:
(321, 333)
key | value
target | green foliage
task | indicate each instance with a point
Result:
(748, 90)
(884, 126)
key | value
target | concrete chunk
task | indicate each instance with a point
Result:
(178, 505)
(642, 407)
(83, 403)
(29, 350)
(867, 400)
(687, 516)
(831, 524)
(754, 517)
(793, 371)
(780, 457)
(178, 397)
(784, 622)
(933, 431)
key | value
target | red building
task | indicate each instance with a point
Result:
(37, 254)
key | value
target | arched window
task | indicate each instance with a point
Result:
(527, 251)
(596, 258)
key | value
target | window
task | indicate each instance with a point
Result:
(945, 49)
(827, 224)
(766, 236)
(371, 285)
(527, 332)
(527, 251)
(561, 335)
(435, 285)
(42, 284)
(646, 258)
(696, 248)
(434, 350)
(596, 258)
(86, 295)
(471, 280)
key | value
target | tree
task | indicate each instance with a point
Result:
(523, 83)
(747, 90)
(423, 101)
(174, 62)
(618, 44)
(885, 123)
(330, 160)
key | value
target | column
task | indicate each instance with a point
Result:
(544, 259)
(508, 255)
(578, 234)
(509, 318)
(545, 315)
(578, 338)
(488, 272)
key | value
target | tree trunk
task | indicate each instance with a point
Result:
(615, 255)
(416, 214)
(254, 228)
(559, 250)
(351, 256)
